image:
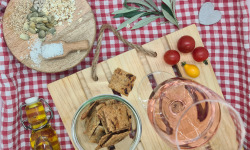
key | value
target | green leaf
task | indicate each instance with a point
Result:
(151, 2)
(169, 10)
(141, 2)
(136, 12)
(124, 24)
(125, 4)
(168, 15)
(173, 3)
(145, 21)
(167, 2)
(170, 18)
(124, 10)
(141, 6)
(118, 15)
(129, 14)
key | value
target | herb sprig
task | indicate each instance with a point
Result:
(146, 9)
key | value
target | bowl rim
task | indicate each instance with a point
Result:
(105, 96)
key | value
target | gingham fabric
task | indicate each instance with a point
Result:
(227, 42)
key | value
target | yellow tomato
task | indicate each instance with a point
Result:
(191, 70)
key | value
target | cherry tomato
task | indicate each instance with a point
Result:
(200, 54)
(191, 70)
(186, 44)
(172, 57)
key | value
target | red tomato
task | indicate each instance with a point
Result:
(172, 57)
(186, 44)
(200, 54)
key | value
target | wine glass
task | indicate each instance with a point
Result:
(222, 130)
(172, 110)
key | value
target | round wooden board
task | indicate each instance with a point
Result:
(83, 27)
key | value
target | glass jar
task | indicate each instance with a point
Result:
(43, 136)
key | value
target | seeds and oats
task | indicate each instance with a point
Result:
(80, 20)
(41, 34)
(39, 23)
(18, 16)
(25, 36)
(38, 4)
(63, 10)
(41, 17)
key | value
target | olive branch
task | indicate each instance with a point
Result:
(146, 8)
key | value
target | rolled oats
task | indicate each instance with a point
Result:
(63, 10)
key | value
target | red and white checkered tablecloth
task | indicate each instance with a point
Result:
(227, 41)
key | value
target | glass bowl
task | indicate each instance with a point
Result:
(81, 140)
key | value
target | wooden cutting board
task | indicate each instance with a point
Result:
(70, 92)
(83, 27)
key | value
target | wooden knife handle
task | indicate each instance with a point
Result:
(80, 45)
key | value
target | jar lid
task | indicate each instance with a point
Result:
(31, 100)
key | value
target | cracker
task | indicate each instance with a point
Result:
(85, 114)
(111, 139)
(97, 135)
(122, 81)
(91, 123)
(114, 117)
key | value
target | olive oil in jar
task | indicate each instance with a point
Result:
(36, 114)
(44, 139)
(43, 136)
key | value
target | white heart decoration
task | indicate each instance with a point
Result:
(208, 15)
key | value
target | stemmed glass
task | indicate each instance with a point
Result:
(188, 115)
(228, 134)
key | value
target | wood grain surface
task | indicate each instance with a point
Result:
(70, 92)
(83, 27)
